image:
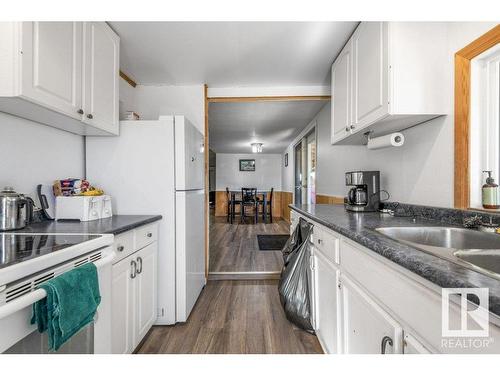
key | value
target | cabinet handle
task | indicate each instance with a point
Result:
(80, 111)
(386, 340)
(89, 116)
(150, 234)
(139, 261)
(319, 241)
(133, 273)
(120, 248)
(353, 127)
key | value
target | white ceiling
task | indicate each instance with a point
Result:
(231, 53)
(233, 126)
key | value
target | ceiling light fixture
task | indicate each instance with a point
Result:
(256, 147)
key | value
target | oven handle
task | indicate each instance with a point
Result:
(38, 294)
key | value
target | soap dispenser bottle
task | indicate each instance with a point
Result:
(490, 193)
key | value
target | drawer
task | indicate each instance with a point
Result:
(327, 242)
(146, 235)
(123, 245)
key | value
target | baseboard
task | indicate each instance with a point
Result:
(270, 275)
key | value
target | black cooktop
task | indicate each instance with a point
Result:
(19, 247)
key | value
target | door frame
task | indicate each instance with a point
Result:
(240, 99)
(312, 127)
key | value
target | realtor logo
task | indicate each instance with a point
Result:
(472, 320)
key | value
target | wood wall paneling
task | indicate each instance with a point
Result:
(462, 112)
(286, 199)
(329, 199)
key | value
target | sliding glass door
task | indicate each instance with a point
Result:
(305, 169)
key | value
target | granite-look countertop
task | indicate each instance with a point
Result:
(114, 225)
(359, 227)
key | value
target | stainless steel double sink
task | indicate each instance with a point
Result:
(475, 250)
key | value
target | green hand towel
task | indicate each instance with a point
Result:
(71, 303)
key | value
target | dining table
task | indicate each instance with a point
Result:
(262, 193)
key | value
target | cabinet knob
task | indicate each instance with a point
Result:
(89, 116)
(80, 111)
(353, 127)
(346, 128)
(120, 248)
(150, 234)
(319, 241)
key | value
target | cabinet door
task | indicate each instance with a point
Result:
(371, 72)
(326, 293)
(101, 73)
(123, 307)
(367, 328)
(341, 94)
(52, 65)
(146, 290)
(412, 346)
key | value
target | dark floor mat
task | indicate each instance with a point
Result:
(272, 241)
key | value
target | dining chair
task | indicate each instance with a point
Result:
(230, 213)
(268, 207)
(249, 200)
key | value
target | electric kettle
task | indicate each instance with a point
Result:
(16, 210)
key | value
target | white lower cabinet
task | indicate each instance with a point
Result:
(134, 296)
(123, 290)
(367, 328)
(326, 281)
(146, 290)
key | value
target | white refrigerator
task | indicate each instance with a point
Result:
(157, 167)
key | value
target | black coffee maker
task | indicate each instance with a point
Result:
(364, 195)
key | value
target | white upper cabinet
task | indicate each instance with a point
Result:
(61, 74)
(101, 74)
(52, 65)
(395, 77)
(370, 83)
(341, 88)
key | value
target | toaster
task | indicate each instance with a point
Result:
(83, 208)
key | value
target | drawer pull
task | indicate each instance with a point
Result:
(150, 234)
(386, 340)
(120, 248)
(133, 273)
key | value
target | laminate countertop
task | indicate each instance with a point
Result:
(114, 225)
(359, 227)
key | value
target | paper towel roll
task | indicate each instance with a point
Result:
(389, 140)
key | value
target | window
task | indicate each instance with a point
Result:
(485, 121)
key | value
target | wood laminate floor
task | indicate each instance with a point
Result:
(236, 317)
(234, 247)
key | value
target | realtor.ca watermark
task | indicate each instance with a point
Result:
(465, 325)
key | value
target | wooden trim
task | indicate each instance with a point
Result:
(207, 187)
(286, 199)
(129, 80)
(250, 99)
(462, 112)
(329, 199)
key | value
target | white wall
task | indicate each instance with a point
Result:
(32, 154)
(152, 101)
(267, 171)
(421, 171)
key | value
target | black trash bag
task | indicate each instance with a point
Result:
(299, 235)
(294, 288)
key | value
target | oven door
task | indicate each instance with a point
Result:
(18, 335)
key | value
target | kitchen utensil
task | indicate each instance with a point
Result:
(16, 210)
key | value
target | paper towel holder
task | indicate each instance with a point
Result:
(368, 136)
